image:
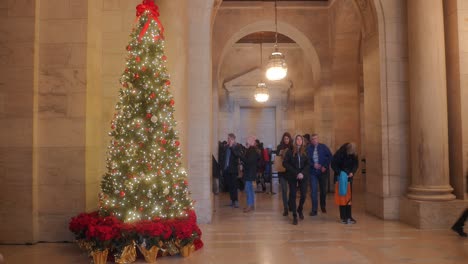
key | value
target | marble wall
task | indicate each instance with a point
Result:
(61, 117)
(456, 37)
(18, 175)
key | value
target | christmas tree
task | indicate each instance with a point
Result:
(145, 179)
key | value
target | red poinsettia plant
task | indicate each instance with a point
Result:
(152, 233)
(186, 231)
(104, 231)
(80, 223)
(108, 232)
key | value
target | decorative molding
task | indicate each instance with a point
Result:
(368, 17)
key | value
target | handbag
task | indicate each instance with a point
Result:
(342, 183)
(278, 164)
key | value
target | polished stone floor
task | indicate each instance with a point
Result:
(266, 237)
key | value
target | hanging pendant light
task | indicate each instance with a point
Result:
(261, 91)
(276, 67)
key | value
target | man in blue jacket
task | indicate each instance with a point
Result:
(320, 158)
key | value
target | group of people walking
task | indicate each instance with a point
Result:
(305, 162)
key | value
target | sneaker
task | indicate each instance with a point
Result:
(324, 210)
(351, 221)
(343, 221)
(248, 209)
(294, 221)
(459, 231)
(313, 213)
(236, 204)
(301, 215)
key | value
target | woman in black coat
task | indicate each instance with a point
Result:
(346, 160)
(250, 161)
(296, 163)
(285, 145)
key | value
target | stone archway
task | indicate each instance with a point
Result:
(285, 29)
(384, 130)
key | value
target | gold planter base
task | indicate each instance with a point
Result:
(149, 254)
(185, 251)
(100, 257)
(128, 255)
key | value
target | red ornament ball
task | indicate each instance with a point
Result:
(172, 102)
(149, 115)
(113, 126)
(163, 141)
(143, 68)
(168, 82)
(164, 58)
(129, 48)
(152, 95)
(177, 143)
(141, 209)
(122, 194)
(137, 76)
(138, 59)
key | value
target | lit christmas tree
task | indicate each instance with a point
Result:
(145, 179)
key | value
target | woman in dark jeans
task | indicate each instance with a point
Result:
(283, 147)
(296, 163)
(346, 160)
(250, 160)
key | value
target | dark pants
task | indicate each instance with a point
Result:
(318, 180)
(461, 221)
(293, 184)
(233, 185)
(284, 189)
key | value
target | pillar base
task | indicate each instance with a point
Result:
(431, 214)
(432, 193)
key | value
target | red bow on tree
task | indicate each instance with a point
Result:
(147, 5)
(154, 14)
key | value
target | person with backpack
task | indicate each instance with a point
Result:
(345, 164)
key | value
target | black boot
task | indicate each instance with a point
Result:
(295, 220)
(285, 211)
(343, 214)
(459, 230)
(350, 220)
(301, 215)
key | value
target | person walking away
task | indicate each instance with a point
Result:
(250, 160)
(231, 168)
(345, 160)
(458, 226)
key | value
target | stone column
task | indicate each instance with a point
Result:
(428, 102)
(429, 202)
(199, 125)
